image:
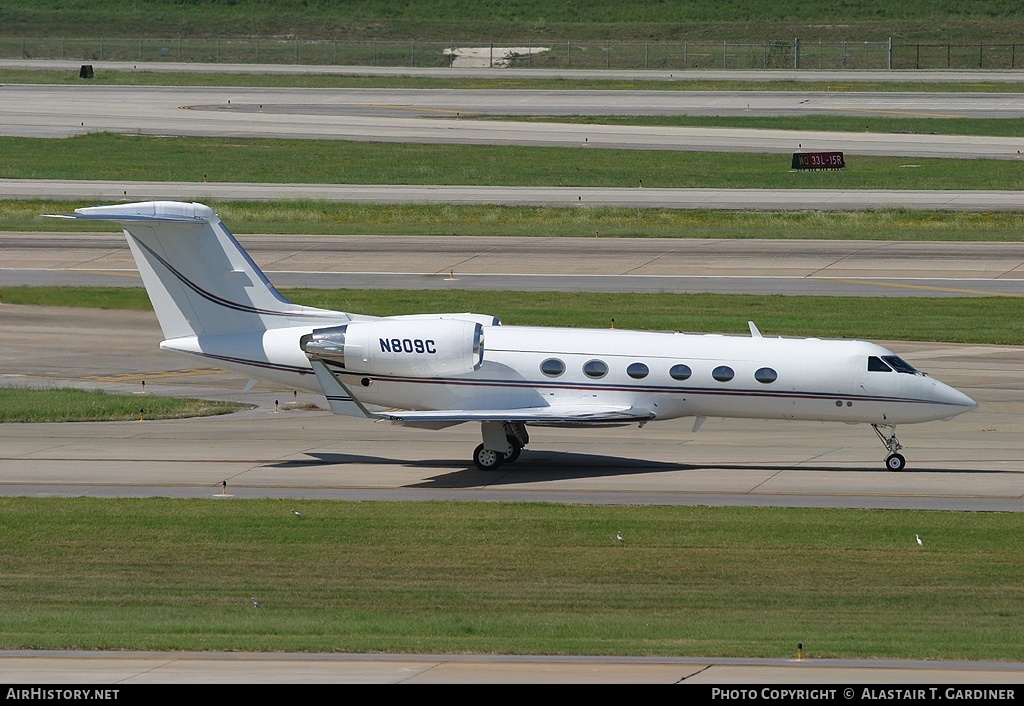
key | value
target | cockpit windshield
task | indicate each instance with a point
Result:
(888, 363)
(900, 365)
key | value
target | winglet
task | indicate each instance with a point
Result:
(753, 330)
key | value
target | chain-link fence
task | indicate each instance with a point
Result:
(789, 54)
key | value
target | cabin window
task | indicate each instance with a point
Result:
(876, 365)
(766, 375)
(637, 371)
(595, 369)
(552, 367)
(723, 373)
(680, 372)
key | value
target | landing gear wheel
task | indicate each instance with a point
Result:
(895, 462)
(487, 460)
(514, 449)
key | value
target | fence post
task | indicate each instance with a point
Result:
(374, 51)
(796, 52)
(257, 48)
(725, 49)
(890, 54)
(568, 54)
(646, 54)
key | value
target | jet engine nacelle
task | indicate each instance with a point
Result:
(412, 347)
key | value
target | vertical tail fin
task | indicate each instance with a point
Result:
(200, 280)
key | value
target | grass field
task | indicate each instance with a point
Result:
(72, 405)
(961, 320)
(339, 162)
(514, 578)
(319, 217)
(753, 20)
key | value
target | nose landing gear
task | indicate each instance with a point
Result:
(894, 461)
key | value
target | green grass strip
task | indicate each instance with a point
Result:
(446, 577)
(909, 124)
(328, 218)
(73, 405)
(953, 319)
(121, 157)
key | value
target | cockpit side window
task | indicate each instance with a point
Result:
(899, 365)
(876, 365)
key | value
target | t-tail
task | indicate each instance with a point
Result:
(210, 298)
(200, 280)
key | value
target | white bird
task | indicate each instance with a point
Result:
(297, 513)
(919, 542)
(618, 536)
(256, 603)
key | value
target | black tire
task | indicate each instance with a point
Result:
(487, 460)
(895, 462)
(514, 449)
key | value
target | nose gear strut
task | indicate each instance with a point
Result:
(894, 461)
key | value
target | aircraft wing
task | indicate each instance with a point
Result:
(342, 401)
(561, 415)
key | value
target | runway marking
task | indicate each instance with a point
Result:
(107, 273)
(417, 109)
(898, 113)
(134, 377)
(928, 287)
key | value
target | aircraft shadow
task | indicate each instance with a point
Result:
(546, 466)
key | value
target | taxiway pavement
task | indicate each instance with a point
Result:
(684, 265)
(32, 110)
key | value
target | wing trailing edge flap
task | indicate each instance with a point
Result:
(572, 415)
(342, 401)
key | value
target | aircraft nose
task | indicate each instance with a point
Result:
(953, 401)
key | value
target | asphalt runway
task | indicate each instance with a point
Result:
(805, 267)
(128, 669)
(30, 110)
(634, 196)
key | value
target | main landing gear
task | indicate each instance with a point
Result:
(515, 438)
(894, 461)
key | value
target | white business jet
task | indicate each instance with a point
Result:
(438, 370)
